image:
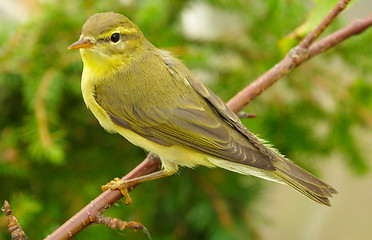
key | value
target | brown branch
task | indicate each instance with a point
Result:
(356, 27)
(89, 213)
(312, 36)
(14, 227)
(304, 51)
(117, 223)
(294, 58)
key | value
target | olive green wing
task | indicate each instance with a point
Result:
(219, 106)
(190, 123)
(230, 117)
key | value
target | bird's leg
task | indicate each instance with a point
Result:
(123, 185)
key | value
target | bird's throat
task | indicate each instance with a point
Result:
(100, 65)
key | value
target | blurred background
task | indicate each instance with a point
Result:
(54, 156)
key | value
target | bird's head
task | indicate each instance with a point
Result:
(108, 40)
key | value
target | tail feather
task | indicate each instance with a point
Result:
(284, 171)
(303, 181)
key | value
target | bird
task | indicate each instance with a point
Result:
(154, 101)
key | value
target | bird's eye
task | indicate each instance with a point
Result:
(115, 37)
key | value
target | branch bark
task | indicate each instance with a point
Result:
(14, 227)
(304, 51)
(301, 53)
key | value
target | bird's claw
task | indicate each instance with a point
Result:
(118, 184)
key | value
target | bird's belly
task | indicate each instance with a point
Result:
(170, 156)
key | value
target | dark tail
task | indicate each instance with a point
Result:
(304, 182)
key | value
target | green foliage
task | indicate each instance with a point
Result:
(54, 156)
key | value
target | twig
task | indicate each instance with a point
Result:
(117, 223)
(312, 36)
(304, 51)
(356, 27)
(242, 114)
(294, 58)
(14, 227)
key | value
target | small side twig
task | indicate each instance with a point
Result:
(355, 27)
(312, 36)
(14, 226)
(117, 223)
(243, 115)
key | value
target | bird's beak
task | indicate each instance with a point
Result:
(82, 43)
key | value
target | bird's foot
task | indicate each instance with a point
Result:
(118, 184)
